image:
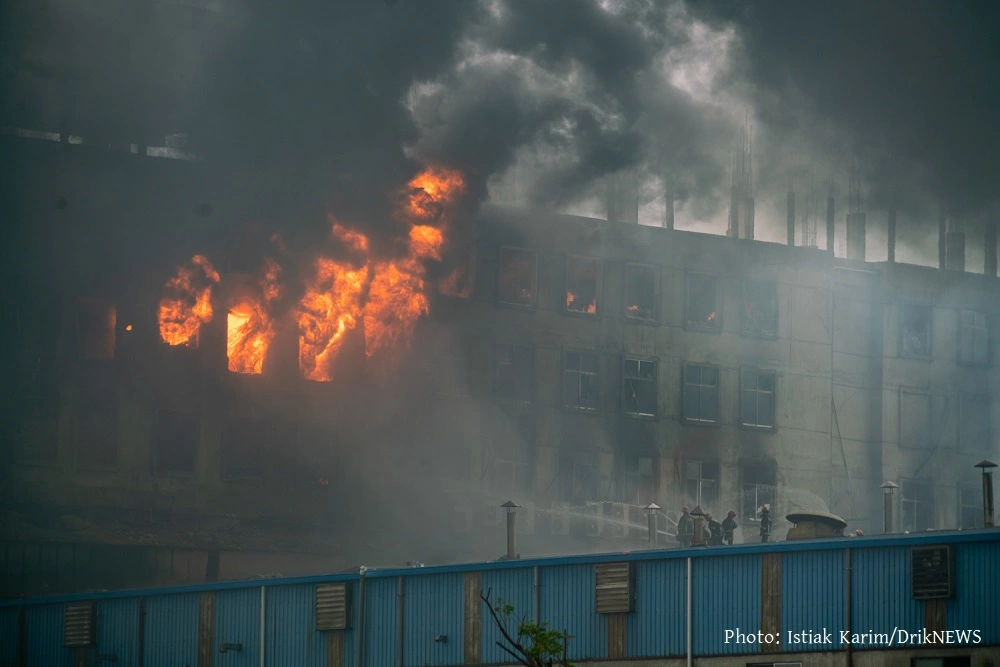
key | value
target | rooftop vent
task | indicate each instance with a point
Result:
(78, 624)
(933, 570)
(333, 606)
(615, 588)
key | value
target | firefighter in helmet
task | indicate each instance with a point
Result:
(729, 527)
(685, 527)
(765, 523)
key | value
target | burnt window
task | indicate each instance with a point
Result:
(917, 500)
(757, 398)
(637, 485)
(973, 338)
(95, 330)
(580, 381)
(639, 387)
(583, 282)
(248, 443)
(701, 394)
(518, 268)
(701, 484)
(760, 310)
(758, 489)
(915, 330)
(701, 305)
(97, 431)
(640, 292)
(515, 370)
(970, 505)
(175, 441)
(579, 478)
(459, 272)
(974, 432)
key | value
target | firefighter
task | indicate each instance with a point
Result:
(685, 527)
(729, 527)
(714, 531)
(765, 523)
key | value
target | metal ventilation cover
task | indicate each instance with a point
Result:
(932, 572)
(78, 624)
(615, 588)
(333, 606)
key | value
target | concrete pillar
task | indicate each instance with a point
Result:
(829, 223)
(955, 250)
(668, 218)
(746, 218)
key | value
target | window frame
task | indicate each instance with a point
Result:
(654, 269)
(774, 398)
(988, 446)
(904, 308)
(977, 489)
(718, 393)
(743, 313)
(598, 287)
(765, 470)
(691, 325)
(701, 478)
(534, 279)
(631, 472)
(158, 468)
(987, 326)
(564, 385)
(906, 484)
(642, 359)
(497, 347)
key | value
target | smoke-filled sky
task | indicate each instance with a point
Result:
(536, 102)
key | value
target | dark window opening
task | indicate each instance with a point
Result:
(701, 394)
(517, 276)
(639, 387)
(638, 483)
(579, 478)
(248, 443)
(95, 329)
(758, 490)
(701, 484)
(97, 433)
(459, 273)
(973, 338)
(175, 441)
(514, 372)
(916, 330)
(974, 433)
(583, 280)
(580, 381)
(917, 499)
(757, 403)
(970, 505)
(640, 292)
(760, 310)
(701, 308)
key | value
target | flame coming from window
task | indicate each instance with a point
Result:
(573, 303)
(248, 337)
(187, 302)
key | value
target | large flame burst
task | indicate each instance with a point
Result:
(387, 295)
(187, 302)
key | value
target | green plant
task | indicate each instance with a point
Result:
(533, 644)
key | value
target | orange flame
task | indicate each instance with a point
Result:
(187, 302)
(458, 283)
(430, 193)
(426, 242)
(572, 303)
(248, 337)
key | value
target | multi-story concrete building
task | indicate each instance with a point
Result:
(582, 368)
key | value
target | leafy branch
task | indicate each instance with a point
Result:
(531, 644)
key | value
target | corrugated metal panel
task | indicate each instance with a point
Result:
(515, 587)
(658, 626)
(350, 636)
(614, 588)
(292, 638)
(118, 630)
(237, 621)
(812, 596)
(78, 624)
(880, 592)
(725, 596)
(381, 649)
(977, 604)
(171, 630)
(433, 606)
(333, 606)
(567, 603)
(44, 641)
(9, 628)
